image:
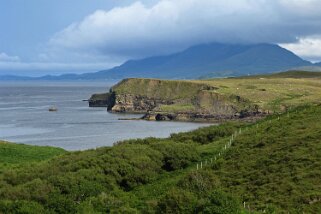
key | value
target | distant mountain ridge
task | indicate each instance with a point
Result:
(220, 59)
(214, 60)
(317, 64)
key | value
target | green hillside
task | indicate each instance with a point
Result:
(272, 166)
(290, 74)
(16, 154)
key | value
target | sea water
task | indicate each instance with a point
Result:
(24, 117)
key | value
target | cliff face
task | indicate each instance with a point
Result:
(101, 100)
(174, 100)
(136, 104)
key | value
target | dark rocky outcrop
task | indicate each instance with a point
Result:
(102, 100)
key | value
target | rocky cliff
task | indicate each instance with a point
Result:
(101, 100)
(174, 100)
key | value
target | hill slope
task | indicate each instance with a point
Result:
(218, 59)
(16, 154)
(295, 74)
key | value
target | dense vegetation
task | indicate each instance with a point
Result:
(273, 165)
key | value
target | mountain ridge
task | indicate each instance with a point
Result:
(212, 59)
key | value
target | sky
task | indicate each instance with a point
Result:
(40, 37)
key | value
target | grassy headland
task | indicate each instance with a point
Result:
(214, 99)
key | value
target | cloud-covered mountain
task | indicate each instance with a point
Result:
(167, 26)
(215, 58)
(101, 34)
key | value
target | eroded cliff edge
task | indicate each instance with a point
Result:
(174, 100)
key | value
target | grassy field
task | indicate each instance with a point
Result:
(12, 155)
(159, 89)
(273, 166)
(273, 92)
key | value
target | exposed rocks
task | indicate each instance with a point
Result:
(198, 117)
(130, 103)
(102, 100)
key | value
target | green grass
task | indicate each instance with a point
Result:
(159, 89)
(176, 108)
(266, 92)
(102, 96)
(277, 164)
(17, 154)
(290, 74)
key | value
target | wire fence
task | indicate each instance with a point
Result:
(202, 164)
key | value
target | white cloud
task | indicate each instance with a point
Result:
(6, 58)
(306, 47)
(107, 38)
(305, 8)
(170, 25)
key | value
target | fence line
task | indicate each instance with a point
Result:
(229, 144)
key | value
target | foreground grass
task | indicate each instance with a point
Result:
(277, 165)
(273, 166)
(16, 154)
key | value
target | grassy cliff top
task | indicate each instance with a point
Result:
(271, 93)
(160, 89)
(99, 96)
